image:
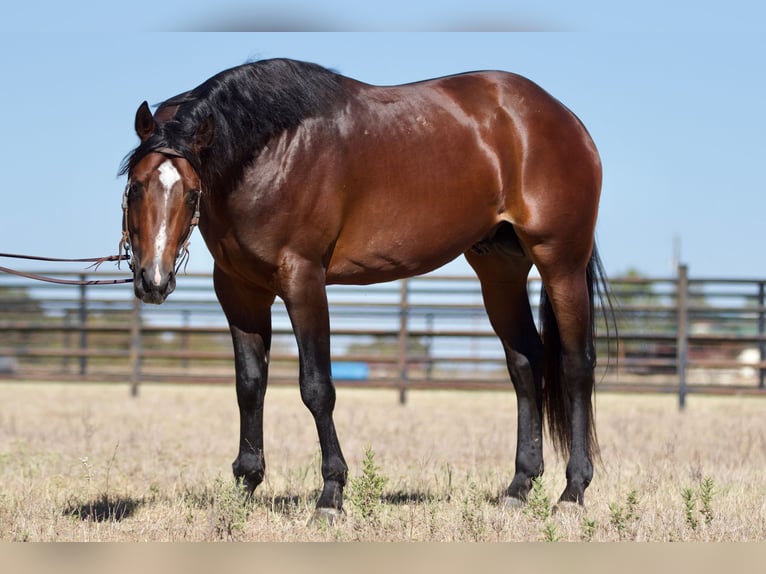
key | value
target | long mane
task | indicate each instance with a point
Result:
(249, 105)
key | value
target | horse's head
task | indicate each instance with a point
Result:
(161, 208)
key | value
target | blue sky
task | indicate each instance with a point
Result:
(673, 94)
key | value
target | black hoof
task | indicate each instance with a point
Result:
(572, 496)
(331, 498)
(521, 485)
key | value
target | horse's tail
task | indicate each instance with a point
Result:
(556, 399)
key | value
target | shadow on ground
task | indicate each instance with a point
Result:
(104, 509)
(409, 497)
(291, 504)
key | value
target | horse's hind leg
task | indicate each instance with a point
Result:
(570, 362)
(504, 288)
(249, 316)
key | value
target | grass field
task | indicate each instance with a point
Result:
(88, 463)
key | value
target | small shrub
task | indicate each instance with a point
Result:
(538, 503)
(624, 518)
(474, 524)
(617, 518)
(365, 492)
(229, 509)
(690, 507)
(589, 526)
(706, 492)
(704, 495)
(550, 532)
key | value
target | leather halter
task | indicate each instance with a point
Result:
(182, 258)
(168, 152)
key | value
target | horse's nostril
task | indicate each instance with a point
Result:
(145, 283)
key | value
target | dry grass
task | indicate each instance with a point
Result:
(88, 463)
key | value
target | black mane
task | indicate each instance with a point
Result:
(249, 105)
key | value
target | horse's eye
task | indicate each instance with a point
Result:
(135, 190)
(192, 197)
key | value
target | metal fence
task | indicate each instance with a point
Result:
(676, 334)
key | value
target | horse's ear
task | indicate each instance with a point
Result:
(144, 122)
(203, 137)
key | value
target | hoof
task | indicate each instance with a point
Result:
(326, 516)
(511, 503)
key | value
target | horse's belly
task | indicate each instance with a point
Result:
(365, 272)
(387, 257)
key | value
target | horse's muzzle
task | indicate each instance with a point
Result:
(153, 286)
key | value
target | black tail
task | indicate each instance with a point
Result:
(556, 400)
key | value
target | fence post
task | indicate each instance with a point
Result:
(66, 342)
(403, 332)
(761, 332)
(135, 347)
(429, 346)
(186, 321)
(682, 335)
(83, 313)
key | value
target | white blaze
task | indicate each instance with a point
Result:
(169, 176)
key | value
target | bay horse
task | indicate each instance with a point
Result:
(299, 177)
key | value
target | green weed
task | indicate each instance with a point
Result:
(703, 495)
(229, 509)
(540, 509)
(550, 532)
(366, 491)
(589, 526)
(624, 517)
(538, 503)
(690, 507)
(474, 524)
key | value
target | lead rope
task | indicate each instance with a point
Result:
(96, 261)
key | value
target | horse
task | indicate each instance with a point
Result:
(299, 177)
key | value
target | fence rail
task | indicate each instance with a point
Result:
(676, 334)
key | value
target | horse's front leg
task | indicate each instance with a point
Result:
(251, 364)
(306, 301)
(249, 314)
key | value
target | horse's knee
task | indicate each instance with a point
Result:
(251, 382)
